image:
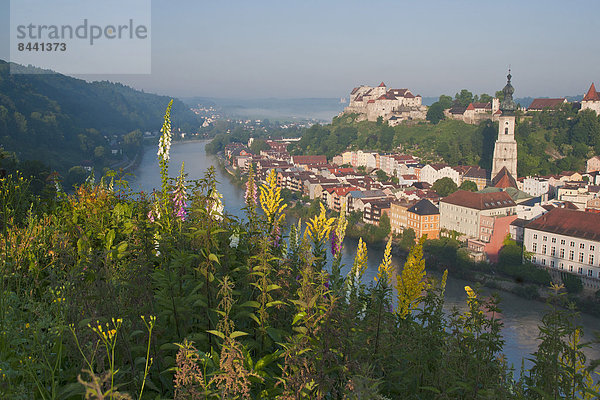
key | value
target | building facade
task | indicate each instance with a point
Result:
(463, 211)
(565, 240)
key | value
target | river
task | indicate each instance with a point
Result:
(521, 317)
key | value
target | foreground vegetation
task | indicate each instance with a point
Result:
(110, 294)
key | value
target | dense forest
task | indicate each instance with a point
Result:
(62, 121)
(549, 142)
(110, 294)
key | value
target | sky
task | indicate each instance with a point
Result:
(293, 49)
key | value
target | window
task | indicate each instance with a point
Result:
(571, 255)
(580, 257)
(580, 270)
(545, 238)
(592, 248)
(552, 263)
(570, 268)
(543, 261)
(591, 259)
(572, 244)
(533, 259)
(544, 249)
(582, 245)
(562, 253)
(553, 251)
(590, 273)
(562, 241)
(535, 235)
(562, 266)
(534, 248)
(553, 240)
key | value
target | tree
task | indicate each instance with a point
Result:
(408, 238)
(500, 95)
(468, 185)
(485, 98)
(381, 175)
(445, 101)
(572, 283)
(464, 98)
(444, 186)
(435, 113)
(384, 224)
(379, 120)
(259, 145)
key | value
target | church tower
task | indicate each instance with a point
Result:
(505, 150)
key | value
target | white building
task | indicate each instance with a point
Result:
(565, 240)
(432, 172)
(535, 186)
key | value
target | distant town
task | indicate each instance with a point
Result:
(556, 217)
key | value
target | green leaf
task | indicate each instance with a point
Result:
(275, 303)
(431, 389)
(298, 317)
(237, 334)
(213, 257)
(273, 287)
(122, 247)
(255, 318)
(110, 237)
(217, 333)
(251, 303)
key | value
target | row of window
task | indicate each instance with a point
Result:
(563, 242)
(561, 253)
(580, 271)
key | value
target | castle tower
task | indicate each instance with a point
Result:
(505, 150)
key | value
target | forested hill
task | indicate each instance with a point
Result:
(60, 120)
(548, 142)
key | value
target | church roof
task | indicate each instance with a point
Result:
(504, 179)
(592, 95)
(382, 84)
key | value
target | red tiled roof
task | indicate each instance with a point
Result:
(479, 201)
(304, 160)
(504, 180)
(540, 104)
(592, 95)
(382, 84)
(470, 106)
(409, 95)
(564, 221)
(354, 90)
(487, 105)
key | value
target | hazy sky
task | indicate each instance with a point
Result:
(324, 48)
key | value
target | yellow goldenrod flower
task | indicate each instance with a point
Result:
(360, 261)
(270, 200)
(320, 226)
(411, 282)
(384, 275)
(470, 293)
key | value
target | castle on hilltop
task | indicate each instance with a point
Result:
(393, 105)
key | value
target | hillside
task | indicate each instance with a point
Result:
(61, 120)
(548, 142)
